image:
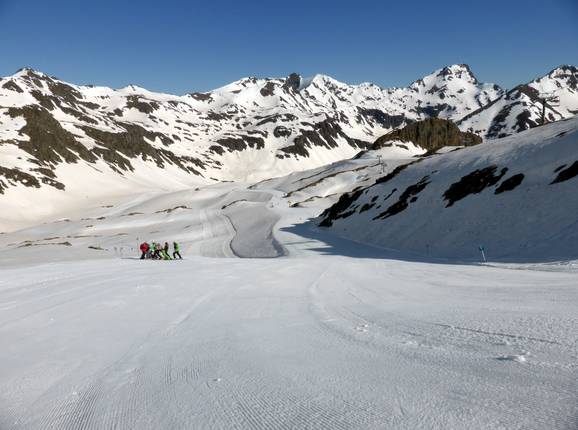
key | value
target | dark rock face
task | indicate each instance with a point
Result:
(281, 131)
(268, 89)
(532, 93)
(430, 134)
(14, 176)
(510, 183)
(382, 118)
(337, 210)
(12, 86)
(323, 134)
(524, 121)
(292, 82)
(48, 143)
(216, 116)
(141, 105)
(241, 143)
(473, 183)
(392, 174)
(203, 97)
(286, 117)
(569, 74)
(410, 194)
(132, 144)
(463, 69)
(566, 174)
(432, 111)
(217, 149)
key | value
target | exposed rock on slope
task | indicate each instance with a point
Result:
(516, 196)
(430, 134)
(521, 108)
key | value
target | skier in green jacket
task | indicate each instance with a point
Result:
(165, 252)
(176, 252)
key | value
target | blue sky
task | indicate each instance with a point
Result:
(184, 46)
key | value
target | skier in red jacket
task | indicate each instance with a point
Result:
(144, 247)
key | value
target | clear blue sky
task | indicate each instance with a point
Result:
(184, 46)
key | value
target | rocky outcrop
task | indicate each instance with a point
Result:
(430, 134)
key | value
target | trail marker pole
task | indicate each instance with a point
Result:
(483, 253)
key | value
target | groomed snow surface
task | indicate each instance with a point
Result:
(331, 334)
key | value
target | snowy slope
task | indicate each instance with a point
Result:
(515, 196)
(330, 335)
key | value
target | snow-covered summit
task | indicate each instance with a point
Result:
(521, 108)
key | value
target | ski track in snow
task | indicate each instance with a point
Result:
(314, 339)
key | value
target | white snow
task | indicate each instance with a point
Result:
(331, 334)
(271, 322)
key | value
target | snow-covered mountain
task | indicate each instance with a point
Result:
(247, 130)
(521, 108)
(515, 196)
(85, 141)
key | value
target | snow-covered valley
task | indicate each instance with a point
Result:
(330, 334)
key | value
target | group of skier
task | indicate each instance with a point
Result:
(155, 251)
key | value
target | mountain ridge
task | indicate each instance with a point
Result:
(53, 132)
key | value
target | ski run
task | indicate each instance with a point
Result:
(338, 289)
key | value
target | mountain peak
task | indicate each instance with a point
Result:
(292, 81)
(459, 71)
(564, 71)
(28, 71)
(562, 76)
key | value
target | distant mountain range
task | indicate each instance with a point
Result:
(62, 136)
